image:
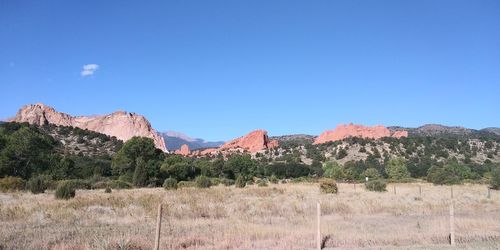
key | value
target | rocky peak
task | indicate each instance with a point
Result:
(343, 131)
(122, 125)
(184, 150)
(253, 142)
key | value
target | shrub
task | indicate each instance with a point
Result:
(328, 186)
(376, 185)
(203, 182)
(107, 190)
(79, 184)
(240, 182)
(118, 184)
(495, 179)
(227, 182)
(170, 183)
(12, 183)
(262, 183)
(273, 179)
(184, 184)
(65, 190)
(38, 184)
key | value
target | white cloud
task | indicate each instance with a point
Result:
(89, 69)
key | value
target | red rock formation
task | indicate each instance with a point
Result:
(400, 133)
(122, 125)
(344, 131)
(184, 150)
(253, 142)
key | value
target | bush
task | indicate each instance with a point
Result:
(203, 182)
(107, 190)
(118, 184)
(495, 179)
(328, 186)
(262, 183)
(12, 183)
(273, 179)
(65, 190)
(240, 182)
(79, 184)
(376, 185)
(38, 184)
(227, 182)
(184, 184)
(170, 183)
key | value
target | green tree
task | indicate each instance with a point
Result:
(240, 165)
(140, 178)
(125, 161)
(27, 152)
(333, 170)
(64, 169)
(371, 173)
(180, 170)
(396, 169)
(495, 178)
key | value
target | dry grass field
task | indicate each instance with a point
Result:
(281, 216)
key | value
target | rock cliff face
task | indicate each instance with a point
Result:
(253, 142)
(122, 125)
(184, 150)
(344, 131)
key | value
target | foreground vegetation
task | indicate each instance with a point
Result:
(279, 216)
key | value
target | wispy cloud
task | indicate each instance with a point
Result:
(89, 69)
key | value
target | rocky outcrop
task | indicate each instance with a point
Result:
(252, 142)
(122, 125)
(184, 150)
(351, 130)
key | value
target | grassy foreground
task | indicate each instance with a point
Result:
(280, 216)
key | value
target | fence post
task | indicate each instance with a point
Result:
(394, 187)
(158, 228)
(318, 236)
(420, 190)
(354, 187)
(489, 195)
(452, 225)
(451, 191)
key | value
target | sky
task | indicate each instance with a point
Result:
(219, 69)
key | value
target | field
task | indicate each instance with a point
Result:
(280, 216)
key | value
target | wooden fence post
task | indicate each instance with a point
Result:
(451, 191)
(420, 190)
(354, 187)
(318, 236)
(452, 225)
(158, 228)
(394, 187)
(489, 195)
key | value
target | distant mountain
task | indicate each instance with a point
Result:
(495, 131)
(175, 140)
(437, 130)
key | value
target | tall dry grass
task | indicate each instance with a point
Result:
(281, 216)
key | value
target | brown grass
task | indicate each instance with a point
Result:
(281, 216)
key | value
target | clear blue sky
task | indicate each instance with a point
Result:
(219, 69)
